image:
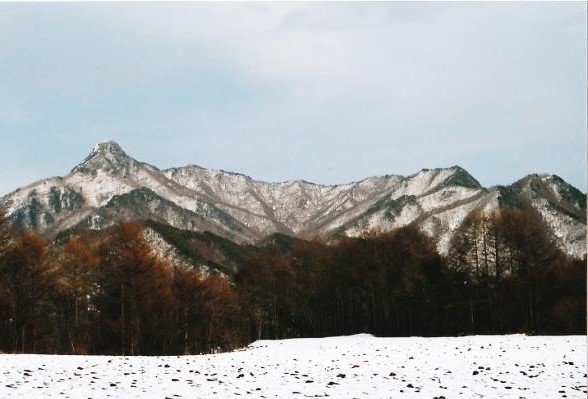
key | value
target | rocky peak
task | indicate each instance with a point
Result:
(556, 190)
(108, 148)
(461, 177)
(107, 156)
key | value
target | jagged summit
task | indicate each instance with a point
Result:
(108, 146)
(107, 156)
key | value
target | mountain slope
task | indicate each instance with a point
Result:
(109, 185)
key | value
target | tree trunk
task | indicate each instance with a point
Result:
(186, 347)
(122, 318)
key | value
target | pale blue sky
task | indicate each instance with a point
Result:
(328, 93)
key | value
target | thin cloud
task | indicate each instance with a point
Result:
(368, 88)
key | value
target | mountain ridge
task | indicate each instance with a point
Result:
(107, 184)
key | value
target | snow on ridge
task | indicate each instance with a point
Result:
(165, 251)
(38, 188)
(226, 199)
(446, 196)
(101, 189)
(422, 182)
(570, 233)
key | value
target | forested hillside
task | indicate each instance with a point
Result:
(109, 292)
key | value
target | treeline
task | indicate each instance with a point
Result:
(502, 275)
(108, 293)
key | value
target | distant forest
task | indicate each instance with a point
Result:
(105, 292)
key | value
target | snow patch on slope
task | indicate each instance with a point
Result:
(570, 234)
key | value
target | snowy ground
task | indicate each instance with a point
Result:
(358, 366)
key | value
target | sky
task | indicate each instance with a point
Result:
(324, 92)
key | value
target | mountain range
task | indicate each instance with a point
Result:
(109, 185)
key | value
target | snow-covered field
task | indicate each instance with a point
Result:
(359, 366)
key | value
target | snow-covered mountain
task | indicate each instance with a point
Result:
(109, 185)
